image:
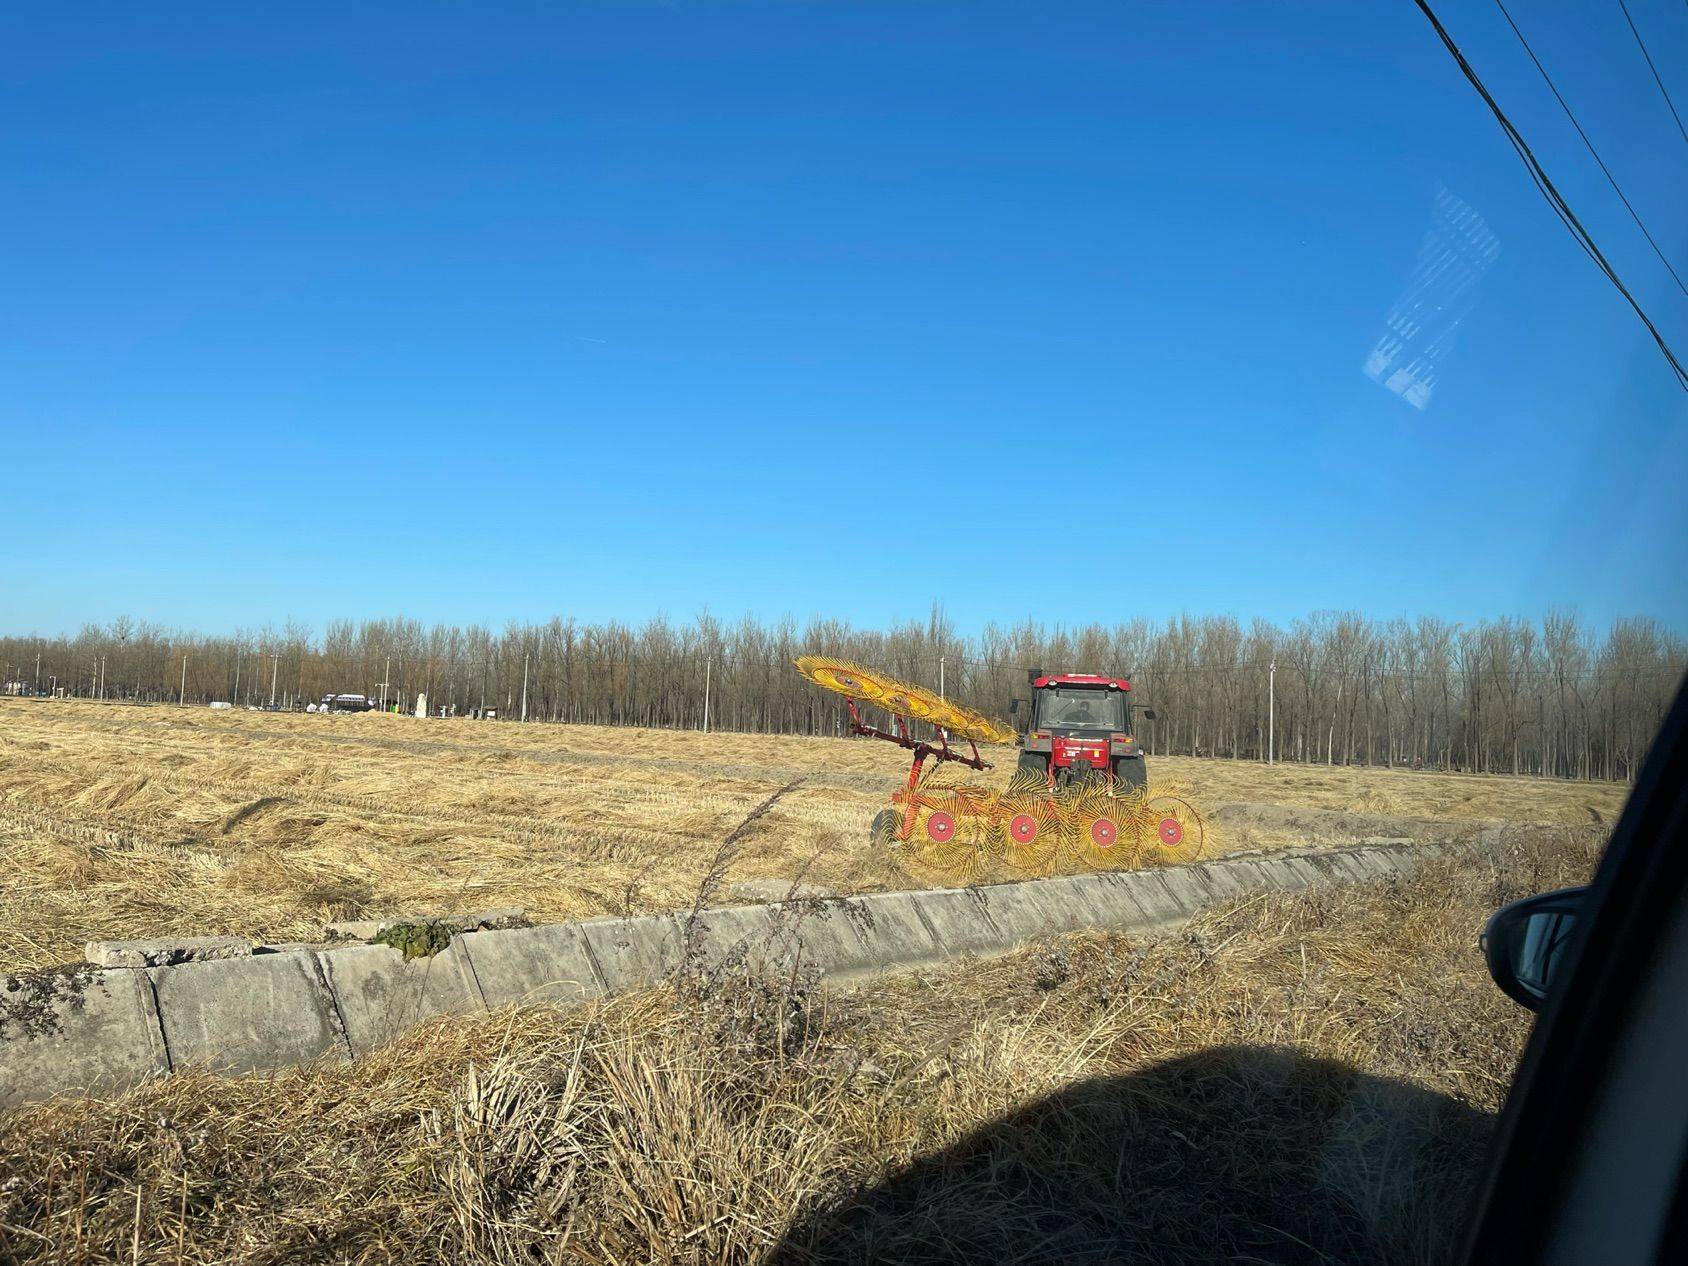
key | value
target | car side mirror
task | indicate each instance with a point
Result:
(1525, 943)
(1148, 714)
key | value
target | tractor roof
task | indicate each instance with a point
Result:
(1081, 679)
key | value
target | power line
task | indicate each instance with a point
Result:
(1642, 45)
(1550, 191)
(1610, 179)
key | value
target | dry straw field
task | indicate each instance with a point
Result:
(123, 821)
(1296, 1078)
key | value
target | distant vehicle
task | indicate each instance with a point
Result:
(1080, 728)
(346, 703)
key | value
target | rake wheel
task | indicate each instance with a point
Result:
(1179, 834)
(946, 838)
(1101, 831)
(842, 677)
(1028, 833)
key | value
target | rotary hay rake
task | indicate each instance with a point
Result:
(961, 833)
(966, 833)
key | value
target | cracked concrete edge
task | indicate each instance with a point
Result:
(116, 1027)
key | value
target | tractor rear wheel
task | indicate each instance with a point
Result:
(1131, 773)
(1034, 765)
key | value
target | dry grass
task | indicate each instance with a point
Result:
(119, 821)
(1294, 1079)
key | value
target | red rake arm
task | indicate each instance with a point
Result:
(921, 748)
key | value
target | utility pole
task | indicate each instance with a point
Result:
(708, 663)
(386, 679)
(941, 694)
(102, 676)
(275, 667)
(37, 672)
(1272, 713)
(236, 699)
(184, 700)
(524, 684)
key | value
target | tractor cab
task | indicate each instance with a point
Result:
(1081, 728)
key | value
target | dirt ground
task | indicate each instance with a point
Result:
(123, 821)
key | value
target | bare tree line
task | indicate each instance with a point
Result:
(1551, 697)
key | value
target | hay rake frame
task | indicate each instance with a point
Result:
(923, 750)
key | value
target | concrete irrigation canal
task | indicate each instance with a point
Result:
(144, 1009)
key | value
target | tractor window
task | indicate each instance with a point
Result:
(1080, 707)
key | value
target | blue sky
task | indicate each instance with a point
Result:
(499, 311)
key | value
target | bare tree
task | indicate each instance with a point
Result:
(1518, 696)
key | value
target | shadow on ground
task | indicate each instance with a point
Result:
(1237, 1154)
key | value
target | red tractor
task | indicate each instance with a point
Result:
(1081, 730)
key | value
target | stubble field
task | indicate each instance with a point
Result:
(123, 821)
